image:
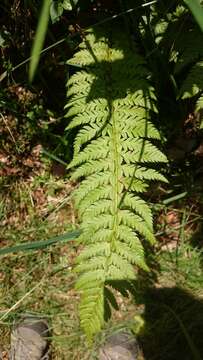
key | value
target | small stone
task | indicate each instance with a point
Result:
(120, 346)
(29, 340)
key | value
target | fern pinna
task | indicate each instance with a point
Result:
(110, 102)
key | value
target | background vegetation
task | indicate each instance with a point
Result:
(35, 185)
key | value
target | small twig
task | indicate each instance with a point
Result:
(20, 300)
(30, 195)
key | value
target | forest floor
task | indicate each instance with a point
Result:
(167, 311)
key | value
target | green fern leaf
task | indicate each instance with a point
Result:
(110, 104)
(138, 205)
(193, 83)
(189, 47)
(199, 103)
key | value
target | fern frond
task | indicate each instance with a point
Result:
(141, 151)
(96, 150)
(110, 104)
(103, 248)
(131, 254)
(142, 173)
(135, 185)
(93, 181)
(129, 219)
(193, 84)
(199, 103)
(91, 167)
(94, 196)
(189, 47)
(88, 117)
(138, 205)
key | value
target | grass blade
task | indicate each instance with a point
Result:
(54, 157)
(174, 198)
(36, 245)
(39, 38)
(197, 11)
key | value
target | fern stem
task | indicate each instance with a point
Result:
(115, 182)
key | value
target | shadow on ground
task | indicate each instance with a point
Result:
(174, 325)
(197, 238)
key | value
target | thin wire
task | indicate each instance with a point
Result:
(124, 13)
(4, 74)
